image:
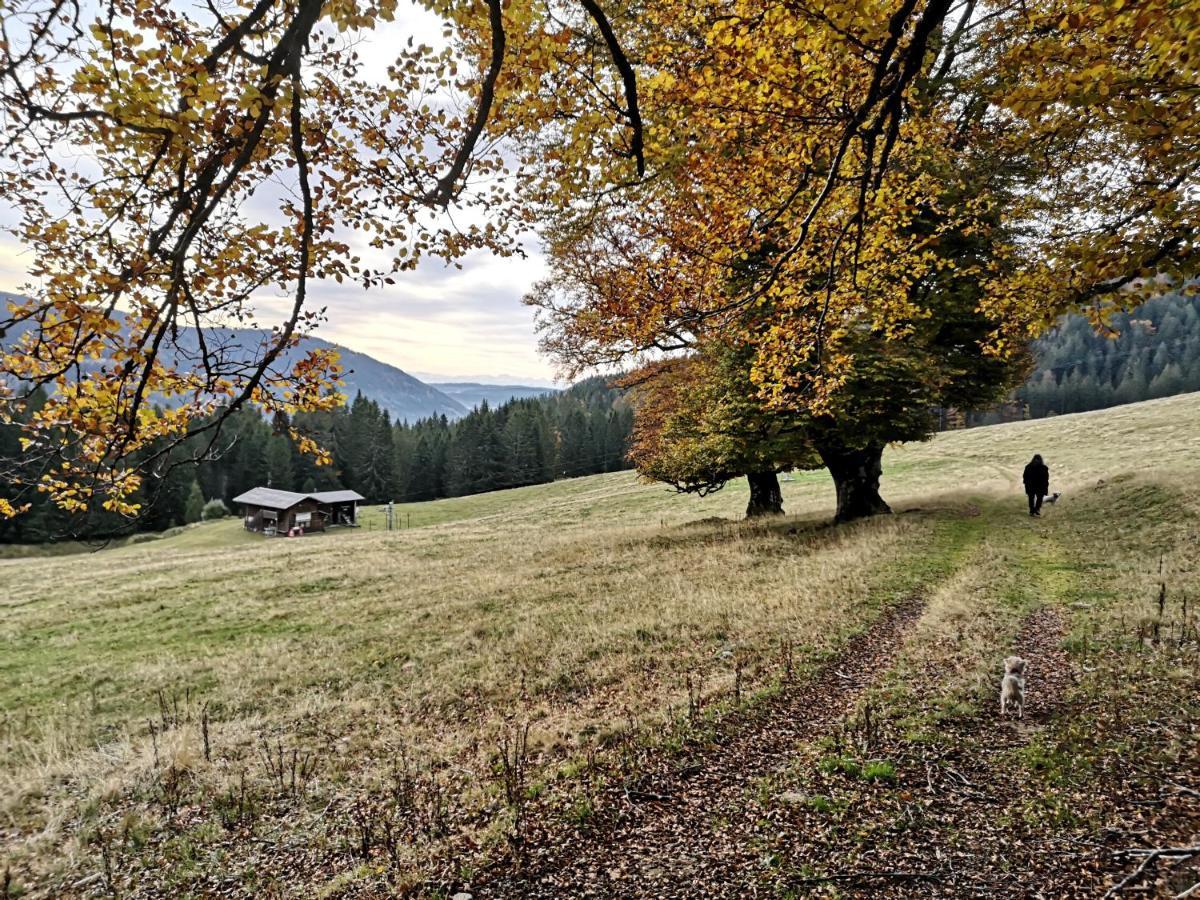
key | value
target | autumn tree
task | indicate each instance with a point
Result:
(855, 141)
(698, 425)
(234, 152)
(700, 422)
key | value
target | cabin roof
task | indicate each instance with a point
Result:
(336, 496)
(270, 498)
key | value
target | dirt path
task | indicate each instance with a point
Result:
(963, 817)
(1048, 677)
(944, 830)
(681, 832)
(971, 822)
(691, 831)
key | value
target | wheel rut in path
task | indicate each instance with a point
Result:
(936, 833)
(973, 841)
(686, 836)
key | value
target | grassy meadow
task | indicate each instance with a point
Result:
(216, 705)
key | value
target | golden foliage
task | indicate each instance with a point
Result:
(831, 135)
(173, 166)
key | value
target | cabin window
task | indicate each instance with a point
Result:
(304, 518)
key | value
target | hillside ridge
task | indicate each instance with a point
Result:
(405, 397)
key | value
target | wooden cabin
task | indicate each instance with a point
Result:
(271, 511)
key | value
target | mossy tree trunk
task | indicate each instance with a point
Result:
(766, 499)
(856, 473)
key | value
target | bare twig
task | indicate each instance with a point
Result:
(1151, 855)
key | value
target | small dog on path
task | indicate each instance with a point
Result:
(1053, 498)
(1012, 687)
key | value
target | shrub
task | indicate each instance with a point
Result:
(879, 770)
(214, 509)
(844, 764)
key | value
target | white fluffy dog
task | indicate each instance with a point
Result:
(1012, 687)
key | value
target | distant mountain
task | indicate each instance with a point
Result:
(406, 398)
(402, 395)
(502, 379)
(471, 394)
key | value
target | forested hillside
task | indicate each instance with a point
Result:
(581, 431)
(1154, 353)
(585, 430)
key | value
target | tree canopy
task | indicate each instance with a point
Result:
(837, 133)
(700, 422)
(180, 163)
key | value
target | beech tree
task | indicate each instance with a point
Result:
(700, 422)
(698, 425)
(858, 139)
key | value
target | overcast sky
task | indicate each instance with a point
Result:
(439, 321)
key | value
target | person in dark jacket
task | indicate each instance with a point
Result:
(1037, 483)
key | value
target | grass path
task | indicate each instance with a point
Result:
(889, 772)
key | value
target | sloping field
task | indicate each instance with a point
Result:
(502, 697)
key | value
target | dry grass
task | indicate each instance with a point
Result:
(429, 639)
(581, 607)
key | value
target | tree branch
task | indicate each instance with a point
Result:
(628, 78)
(444, 192)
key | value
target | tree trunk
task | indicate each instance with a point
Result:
(856, 474)
(766, 499)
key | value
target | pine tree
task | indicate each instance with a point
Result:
(194, 509)
(1169, 382)
(574, 445)
(279, 463)
(377, 460)
(616, 441)
(423, 475)
(525, 441)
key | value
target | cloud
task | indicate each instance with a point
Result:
(440, 320)
(13, 262)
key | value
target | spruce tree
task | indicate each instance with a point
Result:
(279, 463)
(574, 445)
(194, 508)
